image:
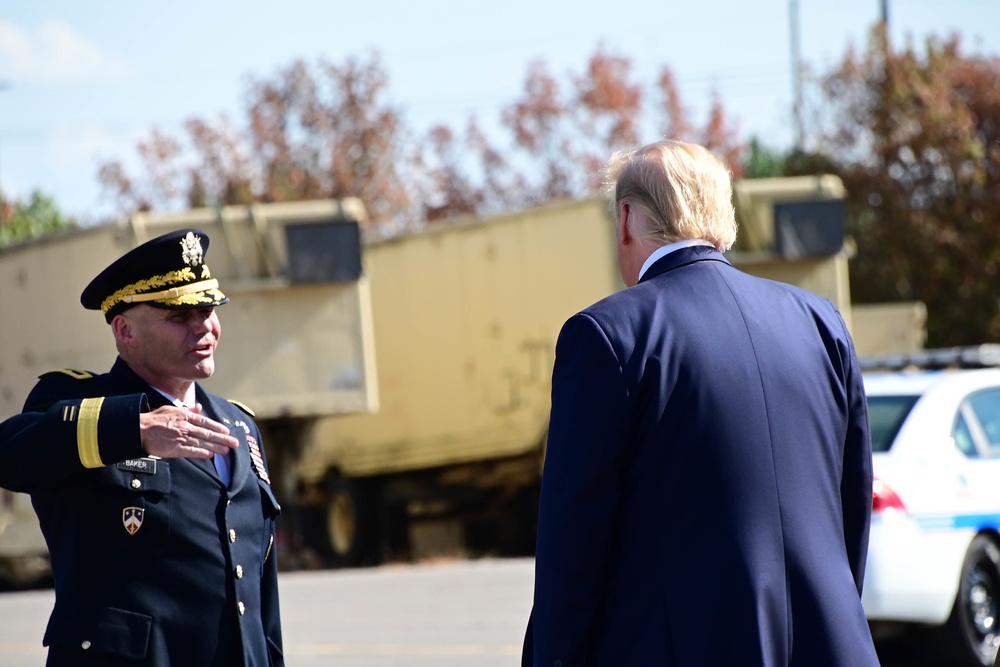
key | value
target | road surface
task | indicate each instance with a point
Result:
(446, 614)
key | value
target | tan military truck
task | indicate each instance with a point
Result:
(297, 333)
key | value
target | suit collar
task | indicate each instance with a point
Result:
(666, 250)
(682, 257)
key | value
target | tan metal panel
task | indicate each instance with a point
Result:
(466, 319)
(289, 350)
(43, 326)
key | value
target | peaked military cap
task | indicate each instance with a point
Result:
(166, 272)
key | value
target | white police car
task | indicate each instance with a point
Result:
(934, 554)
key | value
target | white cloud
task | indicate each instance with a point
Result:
(54, 53)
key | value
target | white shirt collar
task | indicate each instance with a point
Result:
(667, 249)
(176, 401)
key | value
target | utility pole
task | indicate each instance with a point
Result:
(3, 202)
(793, 27)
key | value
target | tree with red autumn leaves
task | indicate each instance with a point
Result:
(328, 132)
(308, 135)
(915, 135)
(912, 131)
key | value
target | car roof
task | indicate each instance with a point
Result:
(902, 383)
(916, 383)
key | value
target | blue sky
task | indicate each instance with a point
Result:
(82, 81)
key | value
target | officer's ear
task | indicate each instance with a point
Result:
(123, 328)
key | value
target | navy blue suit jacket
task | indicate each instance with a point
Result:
(706, 496)
(156, 562)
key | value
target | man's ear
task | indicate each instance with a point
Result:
(123, 329)
(624, 233)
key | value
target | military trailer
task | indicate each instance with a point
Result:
(297, 335)
(466, 317)
(462, 318)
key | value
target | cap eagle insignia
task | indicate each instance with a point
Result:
(191, 251)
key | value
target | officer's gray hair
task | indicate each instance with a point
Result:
(683, 190)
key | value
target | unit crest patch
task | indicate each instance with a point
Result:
(132, 519)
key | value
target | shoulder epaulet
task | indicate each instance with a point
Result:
(73, 373)
(243, 407)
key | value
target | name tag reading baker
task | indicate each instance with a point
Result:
(145, 466)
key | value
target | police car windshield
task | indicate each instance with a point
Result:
(886, 415)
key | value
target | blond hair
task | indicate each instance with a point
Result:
(684, 191)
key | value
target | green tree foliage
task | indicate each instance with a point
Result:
(916, 136)
(37, 216)
(763, 162)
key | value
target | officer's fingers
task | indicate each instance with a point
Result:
(207, 423)
(200, 444)
(214, 432)
(184, 435)
(197, 451)
(206, 450)
(171, 448)
(219, 442)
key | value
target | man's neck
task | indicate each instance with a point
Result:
(179, 388)
(182, 390)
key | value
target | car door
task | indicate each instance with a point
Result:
(977, 436)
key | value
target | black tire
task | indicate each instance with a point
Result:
(350, 522)
(971, 635)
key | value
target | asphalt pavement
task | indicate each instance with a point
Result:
(450, 613)
(439, 614)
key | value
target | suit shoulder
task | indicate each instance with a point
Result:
(243, 406)
(69, 373)
(610, 308)
(775, 286)
(62, 384)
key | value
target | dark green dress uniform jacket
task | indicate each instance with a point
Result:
(155, 562)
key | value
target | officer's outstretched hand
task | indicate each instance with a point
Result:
(173, 433)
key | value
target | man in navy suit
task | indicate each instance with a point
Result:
(707, 487)
(153, 495)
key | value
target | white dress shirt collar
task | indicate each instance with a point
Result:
(667, 249)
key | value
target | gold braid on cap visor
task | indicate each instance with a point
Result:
(189, 294)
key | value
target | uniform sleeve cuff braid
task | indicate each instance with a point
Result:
(114, 429)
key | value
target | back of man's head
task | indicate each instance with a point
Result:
(683, 190)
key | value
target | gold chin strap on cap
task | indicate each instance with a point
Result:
(167, 294)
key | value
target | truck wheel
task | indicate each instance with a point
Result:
(349, 522)
(24, 571)
(971, 633)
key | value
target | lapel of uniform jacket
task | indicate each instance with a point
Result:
(682, 257)
(239, 458)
